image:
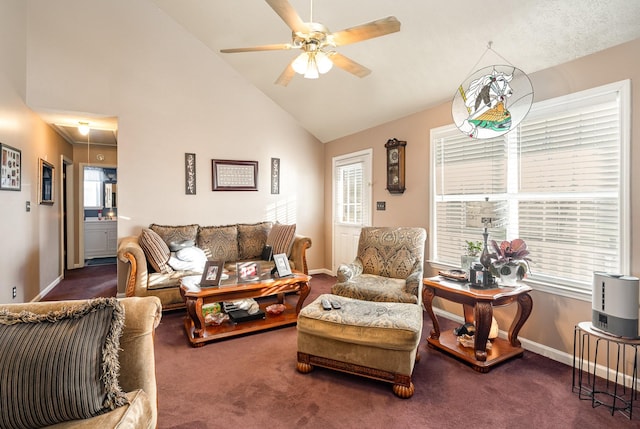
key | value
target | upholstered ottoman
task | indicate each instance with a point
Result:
(375, 339)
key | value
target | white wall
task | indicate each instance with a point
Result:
(171, 95)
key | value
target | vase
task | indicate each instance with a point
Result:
(508, 275)
(466, 262)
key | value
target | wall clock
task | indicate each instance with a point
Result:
(395, 166)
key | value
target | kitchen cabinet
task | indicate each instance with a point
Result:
(100, 238)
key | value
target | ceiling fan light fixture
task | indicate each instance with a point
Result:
(300, 63)
(312, 68)
(83, 128)
(324, 62)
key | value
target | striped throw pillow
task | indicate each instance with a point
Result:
(281, 238)
(60, 366)
(155, 250)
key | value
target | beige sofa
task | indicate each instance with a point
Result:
(137, 363)
(230, 243)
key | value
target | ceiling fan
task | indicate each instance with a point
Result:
(315, 40)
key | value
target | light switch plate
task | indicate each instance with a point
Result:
(381, 205)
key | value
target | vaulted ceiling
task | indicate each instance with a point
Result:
(438, 46)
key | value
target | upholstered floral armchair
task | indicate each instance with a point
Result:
(388, 268)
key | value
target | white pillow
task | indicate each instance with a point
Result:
(188, 259)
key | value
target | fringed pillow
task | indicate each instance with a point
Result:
(60, 366)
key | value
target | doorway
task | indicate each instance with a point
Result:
(351, 203)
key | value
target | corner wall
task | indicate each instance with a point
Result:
(553, 318)
(172, 95)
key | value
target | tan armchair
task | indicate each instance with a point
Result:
(136, 358)
(388, 268)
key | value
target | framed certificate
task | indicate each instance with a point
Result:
(234, 175)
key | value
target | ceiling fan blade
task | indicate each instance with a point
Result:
(366, 31)
(288, 15)
(286, 75)
(349, 65)
(274, 47)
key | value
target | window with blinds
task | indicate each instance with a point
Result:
(349, 193)
(559, 181)
(93, 179)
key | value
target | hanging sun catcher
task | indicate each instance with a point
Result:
(492, 101)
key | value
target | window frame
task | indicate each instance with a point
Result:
(622, 89)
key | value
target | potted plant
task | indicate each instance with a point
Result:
(509, 260)
(472, 251)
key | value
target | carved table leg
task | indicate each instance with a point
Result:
(525, 305)
(194, 311)
(483, 315)
(304, 293)
(427, 298)
(468, 311)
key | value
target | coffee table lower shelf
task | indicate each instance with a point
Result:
(501, 350)
(229, 328)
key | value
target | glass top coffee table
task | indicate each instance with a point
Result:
(290, 291)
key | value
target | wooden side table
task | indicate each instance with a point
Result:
(478, 308)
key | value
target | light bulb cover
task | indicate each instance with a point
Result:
(83, 128)
(312, 68)
(300, 63)
(324, 62)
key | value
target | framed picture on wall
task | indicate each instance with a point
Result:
(231, 175)
(10, 168)
(47, 182)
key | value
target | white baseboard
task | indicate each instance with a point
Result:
(46, 290)
(321, 271)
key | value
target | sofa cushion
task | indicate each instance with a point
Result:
(219, 243)
(281, 238)
(252, 238)
(175, 234)
(156, 251)
(60, 366)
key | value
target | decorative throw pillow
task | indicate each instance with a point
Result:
(251, 239)
(281, 238)
(188, 259)
(175, 233)
(155, 250)
(219, 243)
(60, 366)
(174, 246)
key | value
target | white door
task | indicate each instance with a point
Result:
(351, 203)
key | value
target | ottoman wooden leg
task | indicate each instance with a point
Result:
(303, 365)
(402, 391)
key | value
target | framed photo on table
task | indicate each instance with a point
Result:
(248, 271)
(231, 175)
(10, 168)
(282, 265)
(212, 274)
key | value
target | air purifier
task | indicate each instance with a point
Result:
(615, 304)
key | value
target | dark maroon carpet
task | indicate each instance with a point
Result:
(252, 382)
(85, 283)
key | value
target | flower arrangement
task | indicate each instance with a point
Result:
(509, 255)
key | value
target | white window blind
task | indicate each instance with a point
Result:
(560, 181)
(349, 193)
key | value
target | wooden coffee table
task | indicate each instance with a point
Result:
(478, 308)
(270, 291)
